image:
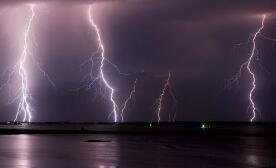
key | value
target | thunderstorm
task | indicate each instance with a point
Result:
(248, 66)
(129, 98)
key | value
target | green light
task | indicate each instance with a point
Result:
(203, 126)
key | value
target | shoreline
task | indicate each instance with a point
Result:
(147, 128)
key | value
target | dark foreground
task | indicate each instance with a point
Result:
(178, 128)
(110, 151)
(191, 145)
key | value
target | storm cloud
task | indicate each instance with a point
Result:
(194, 39)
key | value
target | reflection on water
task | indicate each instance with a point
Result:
(252, 159)
(22, 146)
(253, 155)
(104, 154)
(112, 151)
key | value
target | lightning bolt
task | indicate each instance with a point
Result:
(103, 60)
(174, 106)
(161, 96)
(253, 106)
(24, 106)
(248, 65)
(131, 95)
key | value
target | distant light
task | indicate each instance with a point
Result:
(204, 126)
(150, 125)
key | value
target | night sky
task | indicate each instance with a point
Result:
(195, 40)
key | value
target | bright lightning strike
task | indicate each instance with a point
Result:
(253, 106)
(161, 97)
(24, 106)
(131, 95)
(248, 65)
(103, 60)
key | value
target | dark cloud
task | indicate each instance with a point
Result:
(63, 2)
(194, 39)
(195, 9)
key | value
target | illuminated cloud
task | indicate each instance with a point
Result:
(193, 38)
(12, 2)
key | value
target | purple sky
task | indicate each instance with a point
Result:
(193, 39)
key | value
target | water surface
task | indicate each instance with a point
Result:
(103, 151)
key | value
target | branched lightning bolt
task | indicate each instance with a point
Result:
(103, 60)
(174, 106)
(131, 95)
(253, 106)
(24, 106)
(161, 96)
(248, 64)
